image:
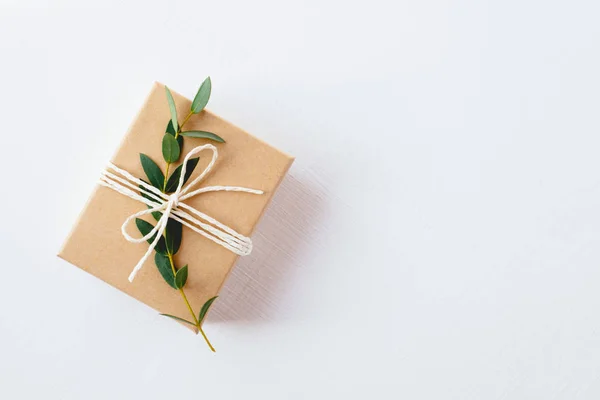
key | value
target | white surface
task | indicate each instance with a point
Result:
(437, 238)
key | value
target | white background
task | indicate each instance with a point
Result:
(437, 238)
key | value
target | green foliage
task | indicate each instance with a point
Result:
(173, 235)
(205, 308)
(174, 178)
(147, 196)
(171, 131)
(178, 319)
(202, 96)
(172, 109)
(155, 214)
(170, 242)
(145, 227)
(204, 135)
(170, 148)
(163, 264)
(153, 172)
(181, 277)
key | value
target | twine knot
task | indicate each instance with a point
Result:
(174, 199)
(173, 206)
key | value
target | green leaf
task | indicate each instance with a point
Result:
(172, 109)
(145, 227)
(174, 178)
(205, 308)
(164, 267)
(181, 277)
(178, 319)
(155, 214)
(170, 148)
(173, 235)
(201, 99)
(153, 172)
(147, 196)
(203, 135)
(171, 131)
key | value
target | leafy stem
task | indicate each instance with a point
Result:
(168, 245)
(183, 123)
(181, 289)
(165, 180)
(187, 303)
(164, 188)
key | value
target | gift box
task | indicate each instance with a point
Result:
(97, 245)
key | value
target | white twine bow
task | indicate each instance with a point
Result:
(172, 206)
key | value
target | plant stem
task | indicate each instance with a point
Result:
(182, 124)
(176, 136)
(166, 179)
(189, 307)
(205, 338)
(187, 303)
(181, 290)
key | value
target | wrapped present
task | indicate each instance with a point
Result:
(199, 214)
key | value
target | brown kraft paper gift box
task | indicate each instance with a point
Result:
(97, 246)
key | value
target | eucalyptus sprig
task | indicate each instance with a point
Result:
(168, 245)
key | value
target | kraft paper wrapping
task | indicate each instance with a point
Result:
(97, 246)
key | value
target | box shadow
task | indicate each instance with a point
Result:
(259, 283)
